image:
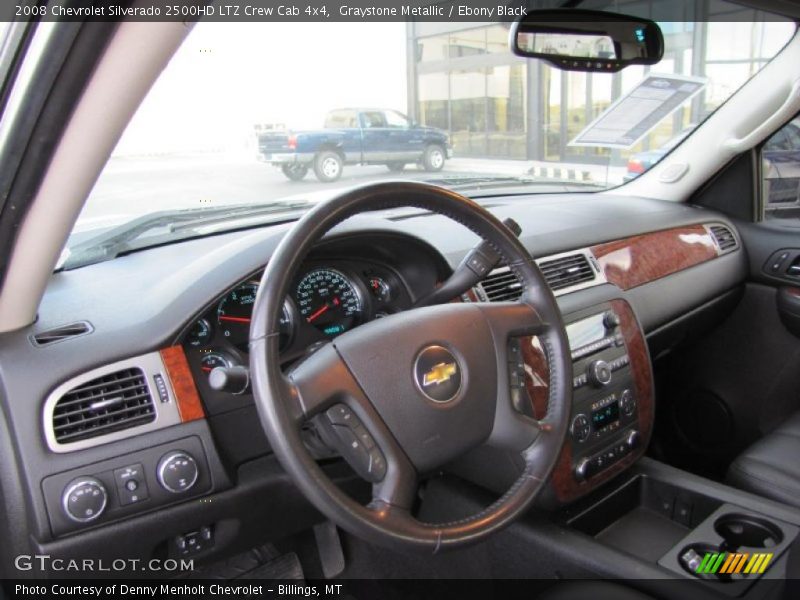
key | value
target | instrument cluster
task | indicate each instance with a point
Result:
(326, 300)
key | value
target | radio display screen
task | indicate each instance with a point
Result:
(605, 416)
(586, 331)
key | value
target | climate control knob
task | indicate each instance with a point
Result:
(84, 499)
(599, 373)
(177, 472)
(580, 428)
(627, 403)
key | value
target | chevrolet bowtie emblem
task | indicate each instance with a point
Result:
(439, 374)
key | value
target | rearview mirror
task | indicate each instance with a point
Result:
(587, 40)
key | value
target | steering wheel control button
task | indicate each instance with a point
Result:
(437, 374)
(84, 499)
(377, 466)
(177, 472)
(131, 485)
(599, 373)
(581, 428)
(341, 414)
(627, 403)
(354, 443)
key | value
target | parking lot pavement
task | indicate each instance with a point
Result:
(132, 186)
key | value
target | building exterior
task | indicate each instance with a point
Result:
(463, 78)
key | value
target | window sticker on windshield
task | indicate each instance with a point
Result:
(633, 115)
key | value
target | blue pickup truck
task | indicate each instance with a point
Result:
(355, 136)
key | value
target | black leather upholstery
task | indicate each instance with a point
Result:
(771, 466)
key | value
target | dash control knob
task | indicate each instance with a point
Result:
(627, 403)
(611, 320)
(599, 373)
(177, 472)
(84, 499)
(580, 428)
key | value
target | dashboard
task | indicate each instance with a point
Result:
(178, 311)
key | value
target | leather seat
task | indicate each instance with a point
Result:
(770, 467)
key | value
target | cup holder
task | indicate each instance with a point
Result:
(746, 530)
(691, 557)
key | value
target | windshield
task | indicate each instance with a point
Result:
(254, 114)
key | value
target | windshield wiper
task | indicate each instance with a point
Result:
(177, 225)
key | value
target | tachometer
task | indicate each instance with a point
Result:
(236, 310)
(234, 313)
(329, 301)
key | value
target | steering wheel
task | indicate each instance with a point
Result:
(426, 385)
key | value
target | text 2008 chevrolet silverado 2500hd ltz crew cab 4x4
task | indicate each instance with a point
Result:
(353, 136)
(402, 388)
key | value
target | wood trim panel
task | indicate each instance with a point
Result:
(565, 486)
(537, 375)
(637, 260)
(180, 376)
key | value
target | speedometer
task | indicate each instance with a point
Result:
(329, 301)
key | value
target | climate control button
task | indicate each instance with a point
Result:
(177, 472)
(84, 499)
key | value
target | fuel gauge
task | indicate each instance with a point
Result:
(212, 360)
(380, 289)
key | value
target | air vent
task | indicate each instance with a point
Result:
(724, 237)
(567, 271)
(501, 285)
(59, 334)
(116, 401)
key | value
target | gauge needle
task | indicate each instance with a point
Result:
(234, 319)
(322, 310)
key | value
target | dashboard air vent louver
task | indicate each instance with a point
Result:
(501, 285)
(567, 271)
(113, 402)
(63, 332)
(726, 241)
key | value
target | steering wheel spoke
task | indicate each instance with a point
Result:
(319, 382)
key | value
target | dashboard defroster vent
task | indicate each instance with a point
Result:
(567, 271)
(61, 333)
(112, 402)
(726, 241)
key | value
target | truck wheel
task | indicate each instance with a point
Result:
(433, 159)
(294, 171)
(396, 166)
(328, 166)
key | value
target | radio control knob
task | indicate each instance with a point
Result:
(611, 320)
(633, 439)
(582, 469)
(580, 428)
(177, 472)
(84, 499)
(599, 373)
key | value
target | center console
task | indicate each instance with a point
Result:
(612, 406)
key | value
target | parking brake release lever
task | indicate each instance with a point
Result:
(477, 264)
